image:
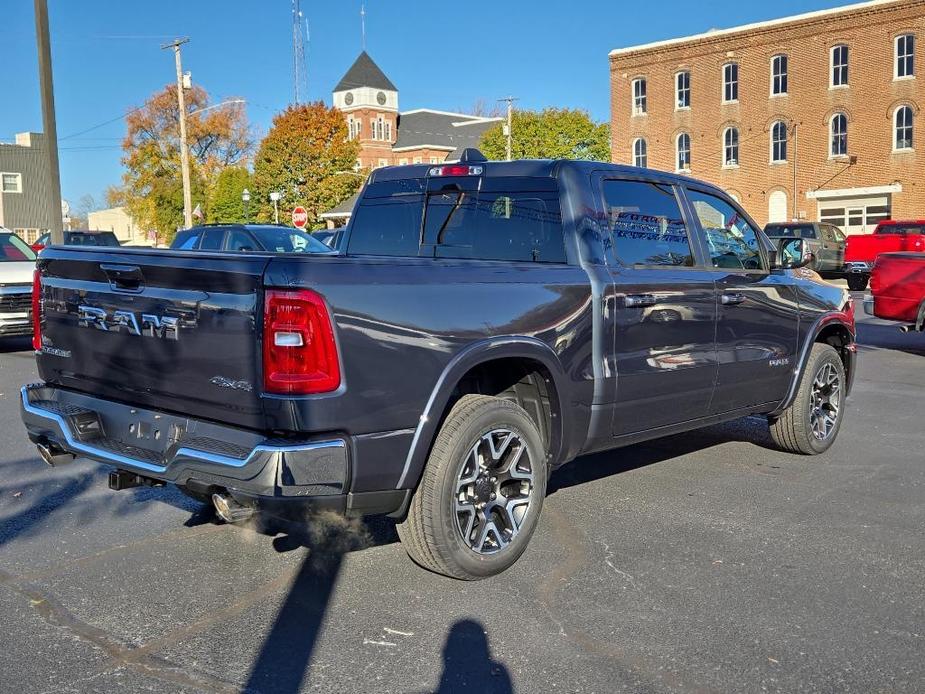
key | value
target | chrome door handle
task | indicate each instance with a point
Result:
(636, 300)
(731, 299)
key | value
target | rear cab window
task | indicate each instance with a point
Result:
(902, 229)
(790, 231)
(467, 217)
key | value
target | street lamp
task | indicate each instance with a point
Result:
(246, 197)
(275, 196)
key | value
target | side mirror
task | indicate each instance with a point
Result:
(793, 254)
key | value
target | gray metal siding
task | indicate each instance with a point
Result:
(28, 209)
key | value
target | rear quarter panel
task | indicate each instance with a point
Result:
(898, 286)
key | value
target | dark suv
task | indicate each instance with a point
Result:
(485, 323)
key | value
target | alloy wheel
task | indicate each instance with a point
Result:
(826, 401)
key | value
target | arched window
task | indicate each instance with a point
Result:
(778, 75)
(640, 153)
(683, 147)
(838, 141)
(779, 141)
(731, 147)
(731, 82)
(903, 122)
(839, 65)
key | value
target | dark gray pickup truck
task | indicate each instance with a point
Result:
(485, 323)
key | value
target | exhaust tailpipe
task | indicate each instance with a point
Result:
(53, 455)
(230, 510)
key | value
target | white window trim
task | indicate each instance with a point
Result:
(677, 152)
(726, 164)
(896, 77)
(636, 141)
(633, 110)
(902, 150)
(832, 84)
(677, 107)
(832, 118)
(786, 73)
(18, 190)
(778, 162)
(723, 84)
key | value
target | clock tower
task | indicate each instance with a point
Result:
(369, 102)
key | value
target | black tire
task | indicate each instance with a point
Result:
(797, 429)
(432, 534)
(857, 283)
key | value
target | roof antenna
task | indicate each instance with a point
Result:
(363, 23)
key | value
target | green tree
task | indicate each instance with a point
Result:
(225, 203)
(554, 133)
(151, 189)
(305, 156)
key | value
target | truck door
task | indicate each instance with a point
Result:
(757, 311)
(664, 308)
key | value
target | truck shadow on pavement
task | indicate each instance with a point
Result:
(889, 337)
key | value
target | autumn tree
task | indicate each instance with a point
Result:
(225, 196)
(217, 136)
(554, 133)
(305, 156)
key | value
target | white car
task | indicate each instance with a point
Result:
(17, 262)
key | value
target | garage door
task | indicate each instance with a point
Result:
(857, 216)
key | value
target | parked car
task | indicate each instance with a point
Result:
(897, 285)
(248, 237)
(329, 237)
(17, 265)
(79, 238)
(889, 236)
(486, 323)
(824, 241)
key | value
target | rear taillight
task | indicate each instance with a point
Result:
(36, 309)
(299, 352)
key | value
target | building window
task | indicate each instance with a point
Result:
(838, 142)
(383, 162)
(388, 130)
(639, 97)
(903, 121)
(779, 141)
(778, 75)
(403, 161)
(683, 146)
(418, 160)
(640, 153)
(731, 147)
(905, 56)
(683, 90)
(434, 160)
(731, 82)
(840, 66)
(10, 183)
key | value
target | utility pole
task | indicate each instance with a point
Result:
(184, 151)
(507, 128)
(48, 121)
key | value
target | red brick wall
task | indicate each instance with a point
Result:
(869, 102)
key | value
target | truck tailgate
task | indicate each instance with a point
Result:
(169, 330)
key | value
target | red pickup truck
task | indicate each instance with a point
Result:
(889, 236)
(898, 287)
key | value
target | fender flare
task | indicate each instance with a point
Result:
(841, 318)
(473, 355)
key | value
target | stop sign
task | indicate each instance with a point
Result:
(299, 217)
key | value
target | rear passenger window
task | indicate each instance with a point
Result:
(186, 240)
(646, 223)
(212, 240)
(509, 224)
(387, 221)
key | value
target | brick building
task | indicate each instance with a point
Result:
(369, 101)
(815, 116)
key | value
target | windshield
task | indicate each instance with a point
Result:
(283, 240)
(13, 248)
(790, 231)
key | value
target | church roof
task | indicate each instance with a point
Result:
(364, 73)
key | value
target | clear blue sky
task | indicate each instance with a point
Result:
(443, 55)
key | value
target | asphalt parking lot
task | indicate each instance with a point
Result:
(704, 562)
